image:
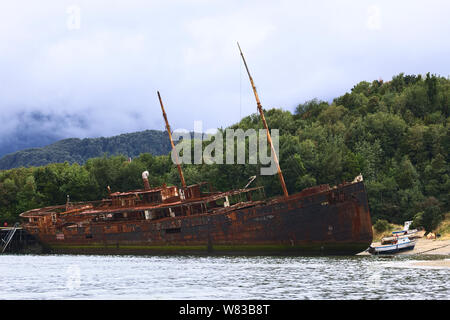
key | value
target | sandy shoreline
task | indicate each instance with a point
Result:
(432, 247)
(433, 263)
(440, 249)
(424, 247)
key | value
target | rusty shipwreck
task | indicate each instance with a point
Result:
(198, 219)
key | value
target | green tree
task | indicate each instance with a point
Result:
(381, 225)
(430, 216)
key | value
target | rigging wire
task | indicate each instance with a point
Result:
(240, 90)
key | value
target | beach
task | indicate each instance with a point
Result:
(435, 247)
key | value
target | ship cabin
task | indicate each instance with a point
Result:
(197, 201)
(144, 204)
(160, 195)
(170, 202)
(138, 198)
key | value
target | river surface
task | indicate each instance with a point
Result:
(210, 277)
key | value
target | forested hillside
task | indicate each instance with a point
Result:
(396, 133)
(79, 150)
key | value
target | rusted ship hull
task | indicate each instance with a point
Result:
(335, 221)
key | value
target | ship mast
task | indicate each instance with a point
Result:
(183, 183)
(261, 112)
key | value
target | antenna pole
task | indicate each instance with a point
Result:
(261, 112)
(183, 183)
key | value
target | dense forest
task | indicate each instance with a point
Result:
(396, 133)
(79, 150)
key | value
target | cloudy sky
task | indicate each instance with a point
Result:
(92, 68)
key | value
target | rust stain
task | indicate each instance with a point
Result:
(317, 215)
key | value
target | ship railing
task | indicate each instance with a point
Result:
(9, 236)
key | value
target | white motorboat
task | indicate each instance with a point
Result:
(401, 244)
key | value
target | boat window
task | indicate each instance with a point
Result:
(173, 230)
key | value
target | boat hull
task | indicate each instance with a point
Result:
(269, 249)
(333, 222)
(392, 249)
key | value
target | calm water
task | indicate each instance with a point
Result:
(191, 277)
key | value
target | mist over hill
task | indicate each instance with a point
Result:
(395, 133)
(74, 150)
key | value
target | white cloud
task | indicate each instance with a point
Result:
(374, 17)
(123, 51)
(214, 38)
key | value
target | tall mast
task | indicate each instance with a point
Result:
(261, 112)
(183, 183)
